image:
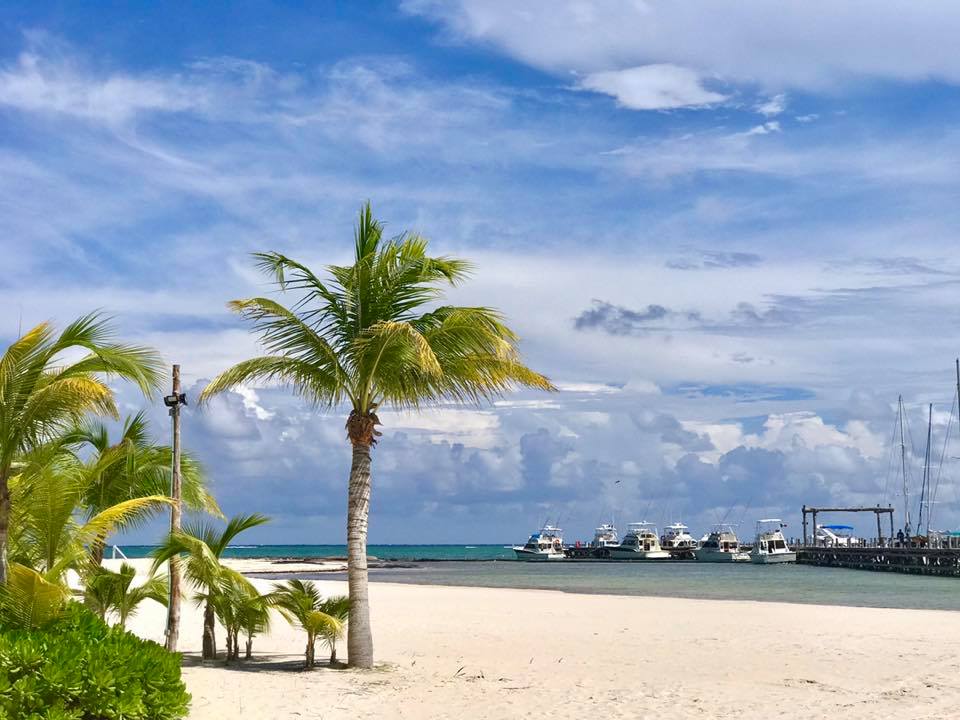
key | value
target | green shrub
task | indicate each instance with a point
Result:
(77, 668)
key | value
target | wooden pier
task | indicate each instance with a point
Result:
(910, 560)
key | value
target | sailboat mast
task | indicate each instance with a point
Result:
(926, 472)
(903, 469)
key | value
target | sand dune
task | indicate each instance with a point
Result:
(466, 653)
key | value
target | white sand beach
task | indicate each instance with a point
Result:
(450, 652)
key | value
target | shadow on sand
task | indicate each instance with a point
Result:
(264, 662)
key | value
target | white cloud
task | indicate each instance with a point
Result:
(652, 87)
(801, 44)
(35, 84)
(773, 106)
(474, 428)
(764, 129)
(251, 401)
(586, 387)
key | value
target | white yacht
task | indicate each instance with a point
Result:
(721, 545)
(605, 536)
(770, 546)
(640, 543)
(678, 537)
(544, 545)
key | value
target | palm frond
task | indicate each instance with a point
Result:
(28, 599)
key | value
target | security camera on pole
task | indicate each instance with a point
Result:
(174, 401)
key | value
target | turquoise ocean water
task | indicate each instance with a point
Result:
(782, 583)
(381, 552)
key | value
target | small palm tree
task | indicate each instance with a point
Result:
(253, 616)
(337, 607)
(365, 336)
(300, 603)
(203, 545)
(50, 532)
(130, 468)
(42, 394)
(107, 591)
(241, 609)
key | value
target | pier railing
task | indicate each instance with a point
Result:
(905, 559)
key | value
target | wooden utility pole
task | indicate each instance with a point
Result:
(173, 613)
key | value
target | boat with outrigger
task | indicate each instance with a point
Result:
(544, 545)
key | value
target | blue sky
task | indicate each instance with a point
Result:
(729, 234)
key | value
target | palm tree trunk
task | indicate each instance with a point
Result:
(333, 654)
(309, 654)
(209, 629)
(359, 635)
(4, 523)
(249, 647)
(96, 549)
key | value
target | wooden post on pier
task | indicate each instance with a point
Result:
(879, 531)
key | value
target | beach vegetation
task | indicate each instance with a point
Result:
(108, 592)
(29, 599)
(74, 666)
(201, 546)
(52, 529)
(242, 610)
(132, 467)
(370, 334)
(45, 391)
(337, 607)
(301, 603)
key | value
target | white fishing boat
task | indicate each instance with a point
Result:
(770, 546)
(544, 545)
(677, 540)
(721, 545)
(641, 543)
(605, 536)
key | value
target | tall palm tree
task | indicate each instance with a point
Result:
(133, 467)
(42, 393)
(301, 603)
(364, 335)
(204, 546)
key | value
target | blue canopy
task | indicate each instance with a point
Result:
(837, 527)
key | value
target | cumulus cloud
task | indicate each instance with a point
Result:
(780, 45)
(653, 87)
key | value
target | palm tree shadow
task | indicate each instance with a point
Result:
(264, 662)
